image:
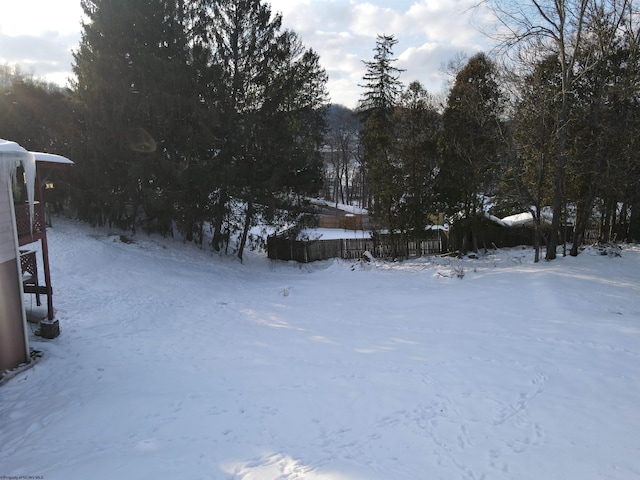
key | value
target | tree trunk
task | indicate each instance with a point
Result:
(220, 209)
(189, 231)
(245, 231)
(634, 222)
(583, 212)
(623, 225)
(558, 195)
(578, 229)
(347, 192)
(605, 236)
(536, 235)
(613, 221)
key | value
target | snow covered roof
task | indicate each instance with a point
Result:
(495, 219)
(519, 219)
(11, 154)
(52, 160)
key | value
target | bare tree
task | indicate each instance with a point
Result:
(547, 27)
(537, 29)
(341, 145)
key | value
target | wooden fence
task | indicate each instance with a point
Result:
(383, 246)
(487, 235)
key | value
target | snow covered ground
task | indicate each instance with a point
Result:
(175, 363)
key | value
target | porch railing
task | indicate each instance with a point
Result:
(27, 231)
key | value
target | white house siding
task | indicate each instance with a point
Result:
(7, 239)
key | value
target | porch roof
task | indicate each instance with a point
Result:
(51, 160)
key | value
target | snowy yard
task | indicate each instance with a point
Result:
(174, 363)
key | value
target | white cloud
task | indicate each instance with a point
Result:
(33, 17)
(370, 20)
(48, 56)
(426, 64)
(39, 35)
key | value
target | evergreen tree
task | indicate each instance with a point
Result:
(472, 144)
(472, 139)
(382, 89)
(418, 126)
(382, 79)
(134, 98)
(269, 90)
(284, 162)
(239, 35)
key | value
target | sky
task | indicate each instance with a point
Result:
(40, 36)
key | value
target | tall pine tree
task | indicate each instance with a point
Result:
(471, 136)
(417, 126)
(133, 97)
(471, 140)
(270, 90)
(382, 90)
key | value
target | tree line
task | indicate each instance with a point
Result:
(208, 114)
(551, 129)
(183, 115)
